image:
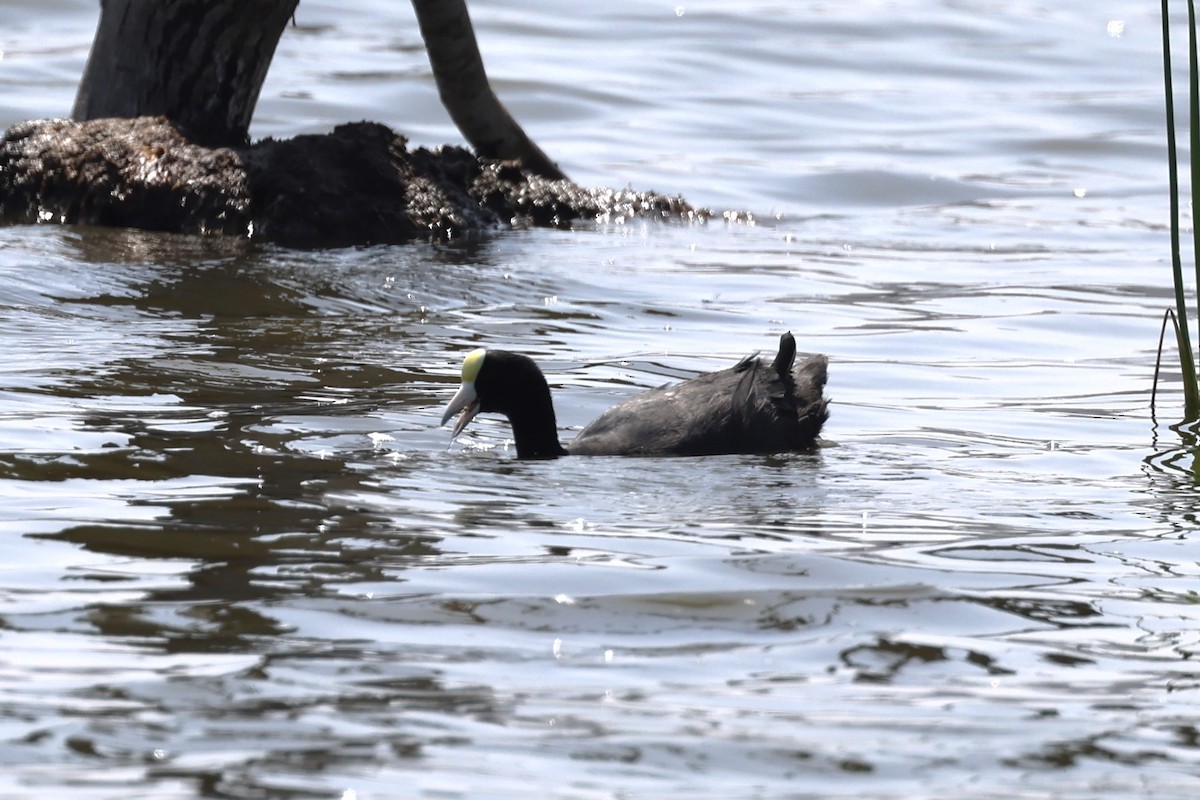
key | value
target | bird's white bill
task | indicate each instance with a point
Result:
(465, 401)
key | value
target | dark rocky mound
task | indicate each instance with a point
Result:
(357, 185)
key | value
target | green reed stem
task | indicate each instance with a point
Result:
(1194, 139)
(1191, 391)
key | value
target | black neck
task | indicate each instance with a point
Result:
(513, 385)
(536, 436)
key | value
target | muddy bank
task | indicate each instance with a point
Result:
(359, 184)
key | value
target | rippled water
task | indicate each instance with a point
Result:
(240, 559)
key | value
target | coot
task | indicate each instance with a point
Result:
(751, 407)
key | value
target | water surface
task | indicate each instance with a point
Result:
(240, 559)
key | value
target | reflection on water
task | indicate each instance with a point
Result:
(243, 560)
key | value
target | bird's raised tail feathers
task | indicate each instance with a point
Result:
(787, 354)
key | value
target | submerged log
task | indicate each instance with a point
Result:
(158, 140)
(359, 184)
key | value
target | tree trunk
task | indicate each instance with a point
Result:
(200, 63)
(465, 91)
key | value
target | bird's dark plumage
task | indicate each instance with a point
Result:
(751, 407)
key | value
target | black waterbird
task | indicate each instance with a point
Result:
(751, 407)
